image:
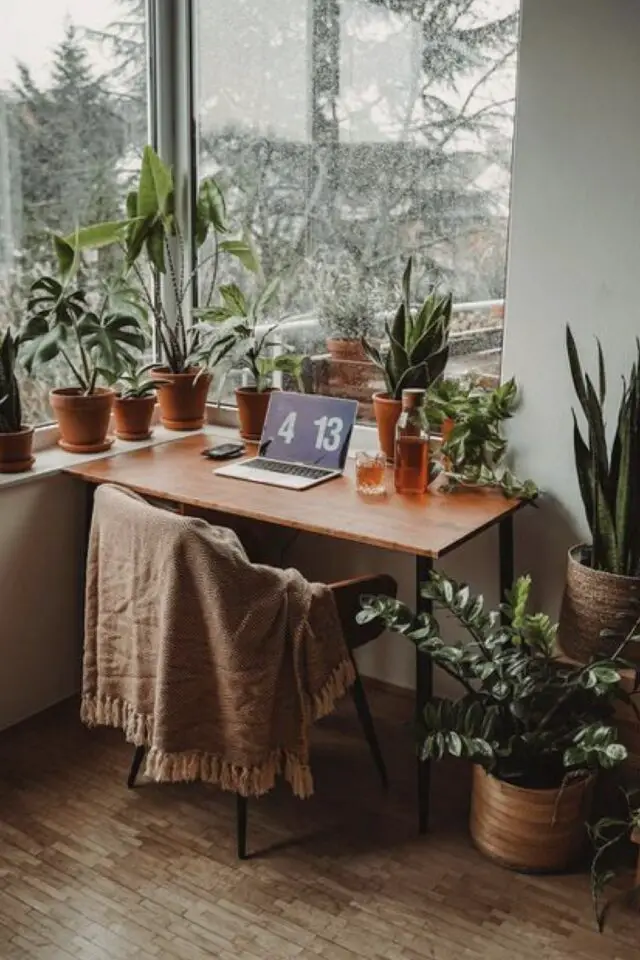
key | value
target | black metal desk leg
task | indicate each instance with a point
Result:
(424, 692)
(505, 535)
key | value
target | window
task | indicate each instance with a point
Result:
(352, 133)
(73, 121)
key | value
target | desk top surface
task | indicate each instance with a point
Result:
(429, 525)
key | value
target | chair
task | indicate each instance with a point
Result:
(347, 596)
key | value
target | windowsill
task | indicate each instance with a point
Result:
(51, 460)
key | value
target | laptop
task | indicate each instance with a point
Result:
(305, 441)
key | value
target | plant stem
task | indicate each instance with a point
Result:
(86, 367)
(194, 273)
(214, 275)
(180, 337)
(74, 370)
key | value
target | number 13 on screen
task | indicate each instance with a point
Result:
(328, 431)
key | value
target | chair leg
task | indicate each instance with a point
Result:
(241, 825)
(366, 721)
(136, 763)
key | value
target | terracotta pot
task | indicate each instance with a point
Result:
(346, 350)
(387, 411)
(594, 601)
(252, 410)
(447, 426)
(83, 420)
(132, 417)
(532, 831)
(183, 399)
(15, 451)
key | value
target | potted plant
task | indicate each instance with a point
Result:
(135, 401)
(16, 439)
(535, 725)
(153, 241)
(602, 591)
(62, 324)
(344, 299)
(473, 446)
(418, 349)
(249, 342)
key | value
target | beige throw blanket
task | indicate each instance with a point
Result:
(215, 664)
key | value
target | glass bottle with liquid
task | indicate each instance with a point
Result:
(412, 444)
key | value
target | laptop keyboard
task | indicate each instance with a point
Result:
(289, 469)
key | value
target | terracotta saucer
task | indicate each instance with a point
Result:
(86, 447)
(17, 466)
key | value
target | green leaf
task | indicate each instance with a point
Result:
(65, 254)
(602, 379)
(211, 204)
(162, 182)
(243, 252)
(616, 752)
(234, 300)
(147, 200)
(576, 371)
(155, 247)
(100, 235)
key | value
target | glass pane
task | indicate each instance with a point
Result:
(350, 134)
(73, 121)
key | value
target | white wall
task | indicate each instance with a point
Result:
(575, 244)
(41, 526)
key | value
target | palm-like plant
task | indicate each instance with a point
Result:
(527, 715)
(153, 243)
(418, 346)
(10, 405)
(609, 481)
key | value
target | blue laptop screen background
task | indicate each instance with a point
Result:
(308, 429)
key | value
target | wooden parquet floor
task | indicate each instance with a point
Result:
(89, 870)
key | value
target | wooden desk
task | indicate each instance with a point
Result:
(427, 527)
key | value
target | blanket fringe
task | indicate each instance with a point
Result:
(341, 678)
(111, 712)
(175, 767)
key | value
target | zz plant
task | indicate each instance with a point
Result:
(418, 343)
(525, 714)
(10, 404)
(609, 478)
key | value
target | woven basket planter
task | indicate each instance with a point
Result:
(531, 831)
(594, 601)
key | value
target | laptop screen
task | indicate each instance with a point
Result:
(308, 429)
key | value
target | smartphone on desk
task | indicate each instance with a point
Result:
(224, 451)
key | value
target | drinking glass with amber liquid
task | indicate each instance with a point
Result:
(371, 469)
(412, 444)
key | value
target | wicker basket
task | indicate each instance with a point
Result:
(594, 601)
(532, 831)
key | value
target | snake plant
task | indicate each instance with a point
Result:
(609, 479)
(10, 406)
(418, 344)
